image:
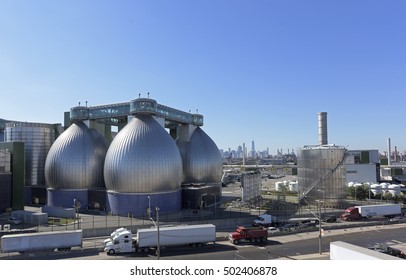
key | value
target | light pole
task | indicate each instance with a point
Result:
(76, 207)
(320, 230)
(149, 208)
(158, 249)
(322, 191)
(215, 205)
(318, 217)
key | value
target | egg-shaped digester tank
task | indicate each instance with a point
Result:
(202, 161)
(74, 165)
(143, 168)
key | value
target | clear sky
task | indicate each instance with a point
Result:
(257, 70)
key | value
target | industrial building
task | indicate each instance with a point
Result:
(363, 166)
(159, 157)
(5, 179)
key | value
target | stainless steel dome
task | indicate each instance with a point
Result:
(202, 161)
(143, 158)
(76, 159)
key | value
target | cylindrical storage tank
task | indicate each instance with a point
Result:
(279, 186)
(315, 178)
(143, 168)
(74, 165)
(384, 187)
(376, 189)
(202, 160)
(293, 187)
(357, 185)
(394, 189)
(38, 139)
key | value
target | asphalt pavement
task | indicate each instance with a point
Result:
(326, 233)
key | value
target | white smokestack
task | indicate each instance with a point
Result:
(323, 128)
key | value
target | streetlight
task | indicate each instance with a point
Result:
(319, 219)
(320, 230)
(322, 191)
(76, 206)
(149, 208)
(158, 249)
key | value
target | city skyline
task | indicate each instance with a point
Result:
(256, 71)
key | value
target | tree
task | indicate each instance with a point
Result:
(387, 196)
(351, 192)
(362, 192)
(358, 192)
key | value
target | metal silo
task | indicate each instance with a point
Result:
(38, 139)
(322, 174)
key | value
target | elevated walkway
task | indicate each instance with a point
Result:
(113, 113)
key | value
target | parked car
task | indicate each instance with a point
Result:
(397, 219)
(14, 221)
(289, 227)
(330, 219)
(272, 230)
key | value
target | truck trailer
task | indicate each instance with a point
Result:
(144, 239)
(368, 211)
(41, 241)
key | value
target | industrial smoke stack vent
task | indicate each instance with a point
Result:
(323, 129)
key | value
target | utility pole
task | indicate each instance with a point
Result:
(149, 208)
(320, 230)
(158, 249)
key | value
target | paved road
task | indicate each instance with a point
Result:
(298, 246)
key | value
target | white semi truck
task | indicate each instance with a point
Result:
(193, 235)
(41, 241)
(113, 234)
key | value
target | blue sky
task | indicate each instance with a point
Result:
(257, 70)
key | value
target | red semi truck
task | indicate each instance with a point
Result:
(244, 234)
(368, 211)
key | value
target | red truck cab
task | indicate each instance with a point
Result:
(351, 214)
(244, 234)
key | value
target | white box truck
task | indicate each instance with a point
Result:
(264, 220)
(193, 235)
(41, 241)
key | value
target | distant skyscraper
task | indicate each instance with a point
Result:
(253, 149)
(239, 152)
